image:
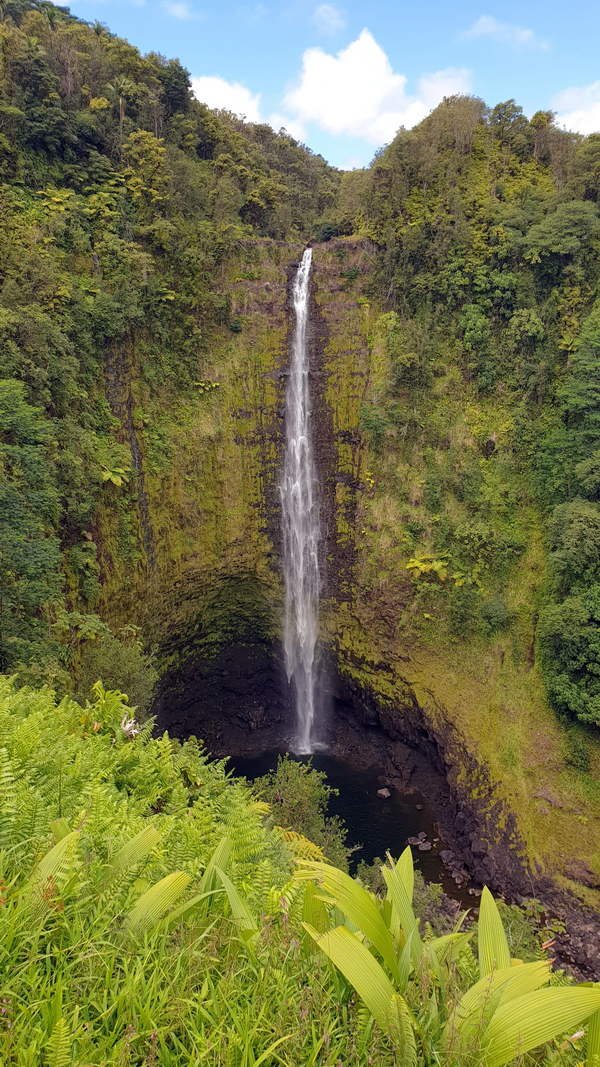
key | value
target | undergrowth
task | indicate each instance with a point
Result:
(151, 913)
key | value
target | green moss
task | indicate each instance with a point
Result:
(210, 459)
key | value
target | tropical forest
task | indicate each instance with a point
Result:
(299, 575)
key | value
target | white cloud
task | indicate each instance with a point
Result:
(231, 96)
(356, 92)
(179, 9)
(579, 108)
(293, 126)
(328, 18)
(506, 33)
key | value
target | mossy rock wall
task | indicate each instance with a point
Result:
(481, 697)
(202, 500)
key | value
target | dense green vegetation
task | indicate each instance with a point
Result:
(488, 230)
(152, 913)
(121, 196)
(298, 796)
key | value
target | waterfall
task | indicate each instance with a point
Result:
(301, 529)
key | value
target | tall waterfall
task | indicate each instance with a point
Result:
(301, 530)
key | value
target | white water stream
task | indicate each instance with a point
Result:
(301, 526)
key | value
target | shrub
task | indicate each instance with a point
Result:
(120, 662)
(577, 750)
(495, 614)
(575, 540)
(569, 654)
(298, 795)
(463, 608)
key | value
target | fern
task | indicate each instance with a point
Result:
(300, 846)
(8, 804)
(59, 1051)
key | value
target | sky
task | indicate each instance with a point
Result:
(343, 77)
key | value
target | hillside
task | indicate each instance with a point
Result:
(462, 354)
(131, 213)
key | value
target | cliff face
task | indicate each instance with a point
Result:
(206, 464)
(475, 700)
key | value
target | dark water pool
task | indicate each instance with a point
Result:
(375, 825)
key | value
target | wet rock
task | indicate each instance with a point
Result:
(425, 846)
(384, 793)
(486, 870)
(478, 846)
(418, 840)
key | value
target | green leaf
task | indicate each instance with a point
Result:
(449, 945)
(177, 914)
(593, 1041)
(53, 865)
(494, 953)
(405, 964)
(239, 907)
(529, 1021)
(219, 858)
(402, 909)
(402, 1031)
(264, 1056)
(156, 902)
(60, 1045)
(360, 968)
(358, 905)
(314, 911)
(481, 1000)
(405, 868)
(134, 851)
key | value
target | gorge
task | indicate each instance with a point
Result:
(292, 459)
(384, 717)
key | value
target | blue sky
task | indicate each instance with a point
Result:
(343, 76)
